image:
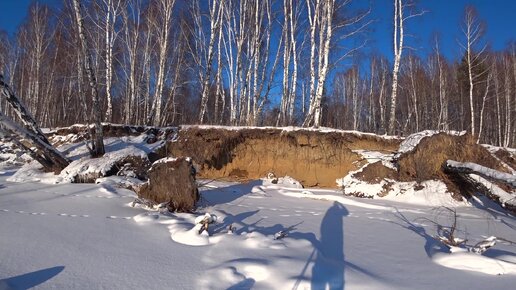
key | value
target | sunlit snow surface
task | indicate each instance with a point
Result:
(85, 236)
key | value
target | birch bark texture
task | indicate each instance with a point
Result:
(97, 135)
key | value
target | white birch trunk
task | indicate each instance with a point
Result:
(398, 49)
(166, 8)
(98, 149)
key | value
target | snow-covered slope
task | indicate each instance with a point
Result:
(85, 236)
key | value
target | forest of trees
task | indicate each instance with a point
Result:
(255, 62)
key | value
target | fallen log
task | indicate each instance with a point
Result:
(473, 168)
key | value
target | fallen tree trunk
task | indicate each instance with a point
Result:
(488, 173)
(21, 111)
(46, 154)
(49, 157)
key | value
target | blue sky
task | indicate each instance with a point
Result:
(443, 17)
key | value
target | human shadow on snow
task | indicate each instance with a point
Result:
(328, 269)
(330, 263)
(29, 280)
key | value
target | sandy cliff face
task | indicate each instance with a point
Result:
(314, 158)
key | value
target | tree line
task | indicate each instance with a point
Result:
(254, 62)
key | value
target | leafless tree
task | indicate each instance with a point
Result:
(473, 30)
(97, 149)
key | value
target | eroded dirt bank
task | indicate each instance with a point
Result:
(314, 158)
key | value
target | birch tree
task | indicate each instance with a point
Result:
(111, 10)
(398, 38)
(97, 135)
(216, 11)
(473, 30)
(291, 12)
(443, 122)
(162, 26)
(321, 16)
(131, 17)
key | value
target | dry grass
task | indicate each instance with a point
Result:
(426, 161)
(507, 157)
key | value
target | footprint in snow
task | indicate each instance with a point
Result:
(114, 217)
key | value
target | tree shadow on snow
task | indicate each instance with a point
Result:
(238, 221)
(490, 207)
(29, 280)
(222, 195)
(245, 284)
(503, 255)
(432, 246)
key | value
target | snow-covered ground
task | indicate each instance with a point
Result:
(87, 236)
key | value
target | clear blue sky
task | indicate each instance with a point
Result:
(443, 17)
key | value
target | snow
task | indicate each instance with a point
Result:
(285, 181)
(261, 234)
(164, 160)
(82, 236)
(505, 197)
(494, 149)
(291, 129)
(116, 150)
(373, 156)
(468, 261)
(11, 155)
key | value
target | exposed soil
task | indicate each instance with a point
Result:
(171, 182)
(313, 158)
(376, 172)
(426, 160)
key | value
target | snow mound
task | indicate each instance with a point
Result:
(187, 232)
(468, 261)
(284, 182)
(11, 155)
(98, 167)
(373, 156)
(413, 140)
(145, 217)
